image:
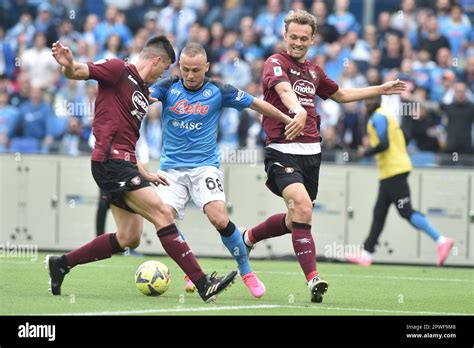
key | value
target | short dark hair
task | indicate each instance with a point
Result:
(159, 46)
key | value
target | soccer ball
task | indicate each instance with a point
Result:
(152, 278)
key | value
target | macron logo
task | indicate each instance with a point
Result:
(304, 241)
(37, 331)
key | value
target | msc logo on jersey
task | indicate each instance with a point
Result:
(182, 107)
(207, 93)
(187, 125)
(303, 87)
(141, 105)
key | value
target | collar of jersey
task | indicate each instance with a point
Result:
(206, 80)
(294, 60)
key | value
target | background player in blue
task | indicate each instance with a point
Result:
(192, 105)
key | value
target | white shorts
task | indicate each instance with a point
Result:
(202, 185)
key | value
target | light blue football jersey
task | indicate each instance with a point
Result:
(190, 120)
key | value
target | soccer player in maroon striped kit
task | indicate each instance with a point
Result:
(291, 83)
(122, 103)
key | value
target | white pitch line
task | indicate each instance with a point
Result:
(235, 308)
(377, 277)
(290, 273)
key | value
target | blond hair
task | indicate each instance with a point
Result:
(300, 17)
(192, 49)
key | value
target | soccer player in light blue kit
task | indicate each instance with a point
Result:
(192, 105)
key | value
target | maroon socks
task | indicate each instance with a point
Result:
(100, 248)
(177, 248)
(305, 250)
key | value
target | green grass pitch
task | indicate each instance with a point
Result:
(107, 288)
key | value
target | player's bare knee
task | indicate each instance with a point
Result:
(301, 211)
(163, 216)
(134, 243)
(218, 220)
(131, 241)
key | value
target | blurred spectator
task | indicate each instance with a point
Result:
(21, 35)
(8, 119)
(337, 58)
(217, 36)
(434, 40)
(6, 84)
(423, 127)
(393, 53)
(443, 67)
(373, 77)
(113, 48)
(443, 11)
(68, 36)
(416, 35)
(422, 69)
(342, 19)
(153, 131)
(88, 34)
(468, 76)
(351, 77)
(44, 23)
(248, 47)
(229, 128)
(7, 56)
(35, 123)
(176, 20)
(137, 45)
(460, 120)
(111, 25)
(360, 49)
(385, 29)
(328, 32)
(370, 36)
(352, 124)
(458, 32)
(229, 14)
(39, 64)
(411, 44)
(23, 90)
(270, 24)
(234, 70)
(331, 140)
(449, 82)
(69, 144)
(318, 48)
(405, 19)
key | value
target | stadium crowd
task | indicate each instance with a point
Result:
(429, 44)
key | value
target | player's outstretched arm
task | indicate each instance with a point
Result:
(269, 110)
(347, 95)
(71, 69)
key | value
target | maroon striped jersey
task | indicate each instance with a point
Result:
(308, 80)
(121, 104)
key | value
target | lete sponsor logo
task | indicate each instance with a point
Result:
(304, 87)
(182, 107)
